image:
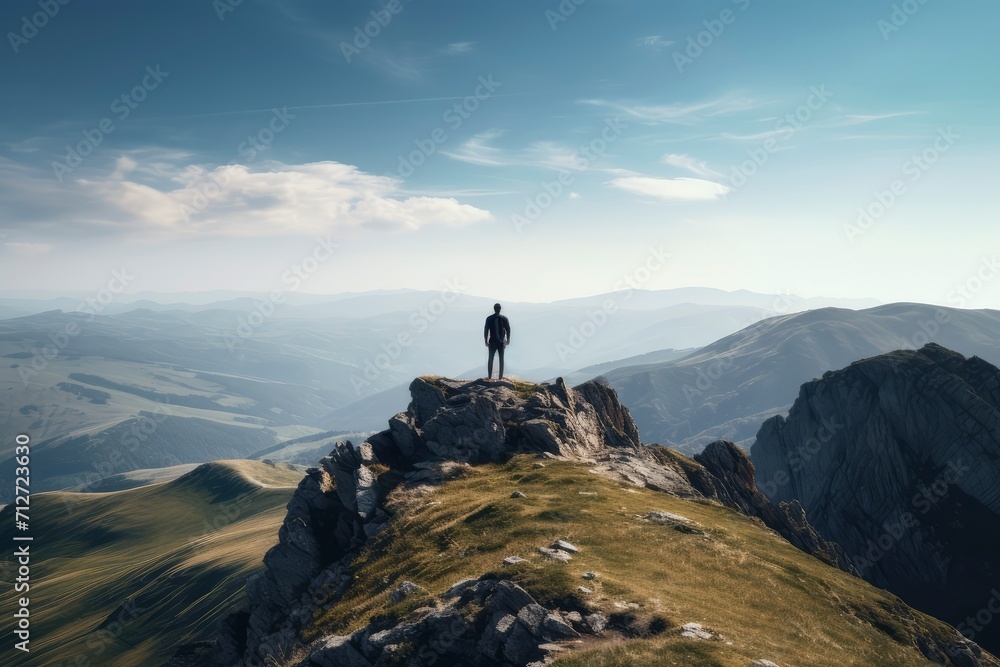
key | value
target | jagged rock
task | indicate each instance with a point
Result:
(480, 621)
(897, 458)
(518, 494)
(590, 575)
(565, 546)
(449, 425)
(512, 560)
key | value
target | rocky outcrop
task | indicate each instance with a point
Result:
(897, 459)
(448, 426)
(732, 480)
(484, 622)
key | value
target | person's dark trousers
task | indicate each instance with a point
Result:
(489, 367)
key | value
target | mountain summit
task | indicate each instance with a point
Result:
(508, 524)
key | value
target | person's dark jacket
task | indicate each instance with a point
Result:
(497, 330)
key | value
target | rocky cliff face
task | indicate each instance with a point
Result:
(449, 425)
(897, 459)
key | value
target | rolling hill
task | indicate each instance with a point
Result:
(122, 578)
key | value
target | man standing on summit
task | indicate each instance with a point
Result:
(497, 336)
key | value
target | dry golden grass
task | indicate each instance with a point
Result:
(738, 579)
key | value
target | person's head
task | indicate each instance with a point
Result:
(496, 307)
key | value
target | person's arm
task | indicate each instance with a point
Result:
(506, 329)
(486, 332)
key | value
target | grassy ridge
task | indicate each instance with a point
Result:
(741, 580)
(124, 578)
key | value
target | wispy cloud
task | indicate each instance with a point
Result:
(672, 189)
(458, 48)
(480, 150)
(678, 114)
(852, 119)
(699, 167)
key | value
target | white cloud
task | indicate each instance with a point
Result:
(271, 199)
(689, 163)
(653, 42)
(672, 189)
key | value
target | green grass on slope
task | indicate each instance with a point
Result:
(766, 598)
(124, 578)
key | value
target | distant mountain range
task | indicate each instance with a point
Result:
(234, 377)
(728, 388)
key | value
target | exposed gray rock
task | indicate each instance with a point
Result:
(518, 494)
(897, 458)
(762, 663)
(696, 631)
(512, 560)
(565, 546)
(555, 554)
(403, 591)
(487, 621)
(448, 426)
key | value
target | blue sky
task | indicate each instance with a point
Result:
(740, 137)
